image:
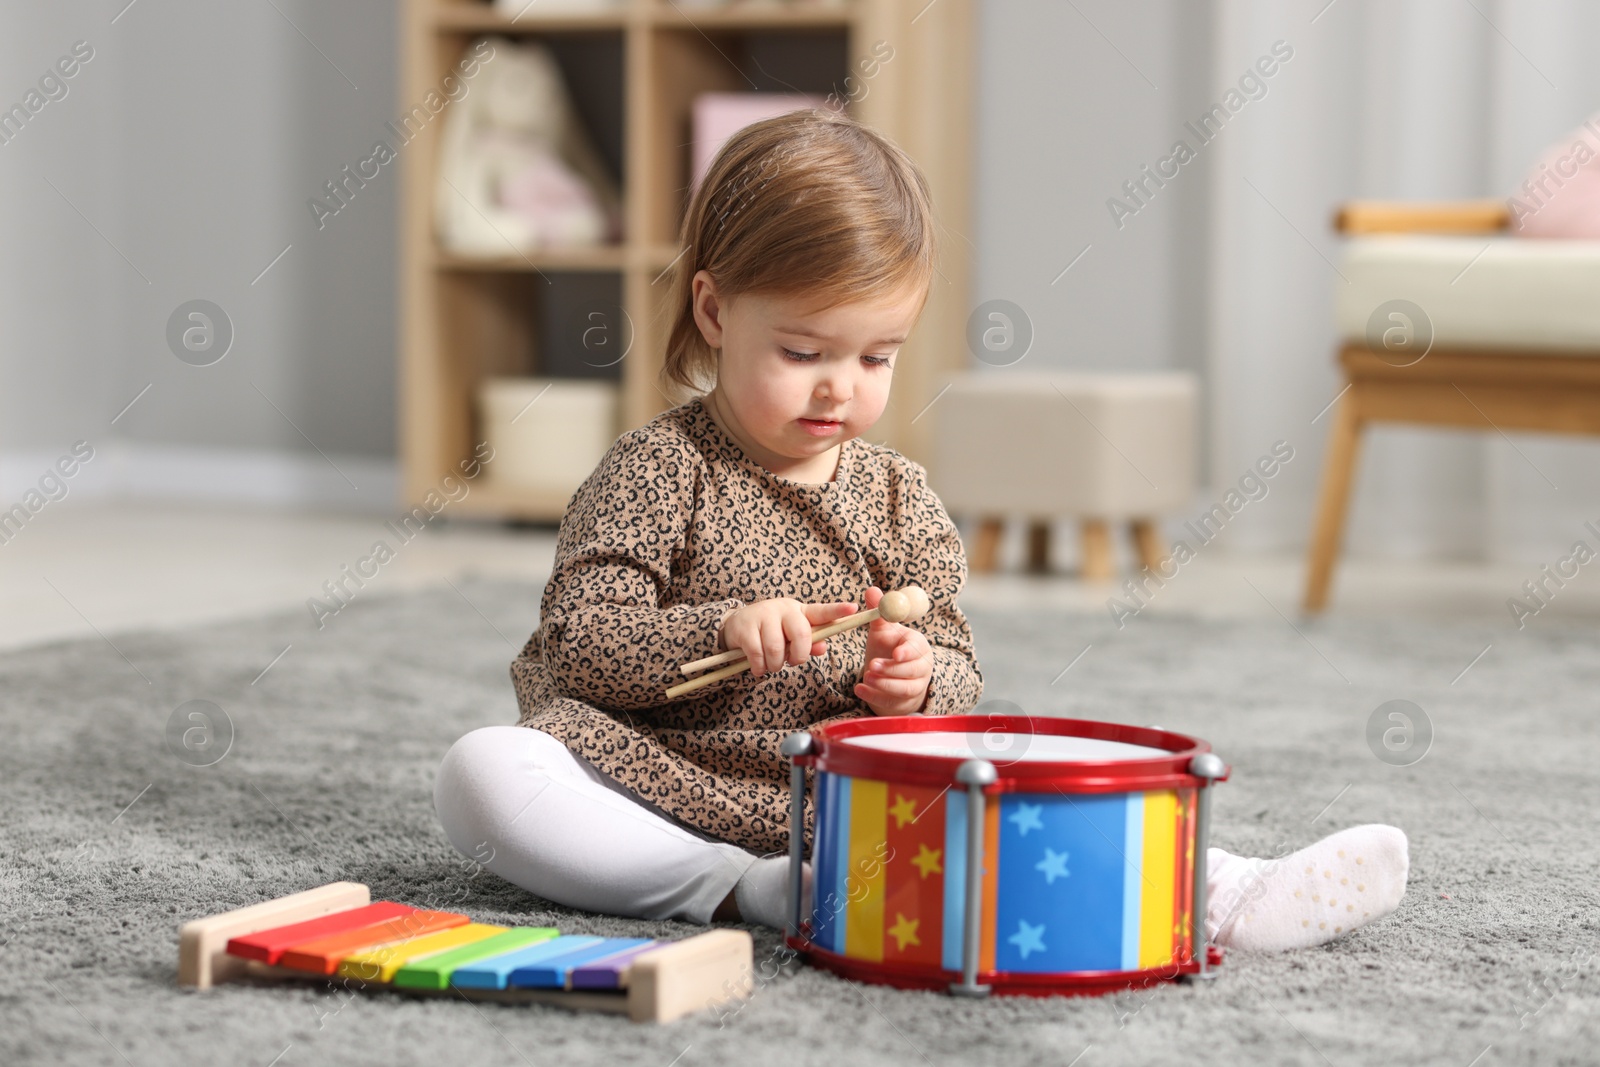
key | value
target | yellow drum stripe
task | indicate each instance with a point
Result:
(1160, 878)
(864, 878)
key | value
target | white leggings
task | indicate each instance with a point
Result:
(532, 811)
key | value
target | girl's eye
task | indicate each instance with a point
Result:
(807, 357)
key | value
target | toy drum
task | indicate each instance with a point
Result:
(1003, 853)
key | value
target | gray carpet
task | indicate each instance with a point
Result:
(109, 842)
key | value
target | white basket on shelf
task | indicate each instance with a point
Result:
(548, 434)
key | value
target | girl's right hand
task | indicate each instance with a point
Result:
(774, 633)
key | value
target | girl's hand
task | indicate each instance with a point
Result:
(775, 633)
(898, 668)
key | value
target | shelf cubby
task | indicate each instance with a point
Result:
(633, 73)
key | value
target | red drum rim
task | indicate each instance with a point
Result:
(833, 752)
(1042, 984)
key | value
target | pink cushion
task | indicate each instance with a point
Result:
(1561, 196)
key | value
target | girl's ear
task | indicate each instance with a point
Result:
(707, 307)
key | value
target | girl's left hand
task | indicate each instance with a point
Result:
(898, 668)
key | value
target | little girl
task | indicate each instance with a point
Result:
(738, 520)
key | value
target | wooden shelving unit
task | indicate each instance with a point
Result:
(633, 74)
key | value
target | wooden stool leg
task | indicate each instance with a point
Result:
(986, 546)
(1338, 470)
(1039, 547)
(1149, 543)
(1096, 550)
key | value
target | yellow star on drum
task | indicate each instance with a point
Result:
(904, 931)
(904, 810)
(927, 860)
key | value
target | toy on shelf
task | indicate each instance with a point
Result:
(336, 931)
(718, 116)
(517, 170)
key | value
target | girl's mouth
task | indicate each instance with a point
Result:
(820, 428)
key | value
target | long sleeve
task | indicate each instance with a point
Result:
(934, 560)
(604, 634)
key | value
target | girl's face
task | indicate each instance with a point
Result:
(792, 385)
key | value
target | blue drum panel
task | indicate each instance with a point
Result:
(831, 842)
(1062, 873)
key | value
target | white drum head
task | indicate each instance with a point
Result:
(1004, 747)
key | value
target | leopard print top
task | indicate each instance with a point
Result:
(674, 530)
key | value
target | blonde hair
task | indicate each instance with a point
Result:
(809, 202)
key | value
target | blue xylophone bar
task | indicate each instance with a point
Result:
(496, 973)
(552, 973)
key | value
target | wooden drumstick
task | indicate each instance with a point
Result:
(889, 612)
(897, 605)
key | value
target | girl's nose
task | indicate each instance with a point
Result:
(834, 389)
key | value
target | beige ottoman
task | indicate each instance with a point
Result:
(1101, 448)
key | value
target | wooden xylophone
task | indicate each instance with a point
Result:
(337, 932)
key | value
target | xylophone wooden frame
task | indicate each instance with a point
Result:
(697, 973)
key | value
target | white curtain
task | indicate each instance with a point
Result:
(1425, 99)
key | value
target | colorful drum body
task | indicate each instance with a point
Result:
(1088, 852)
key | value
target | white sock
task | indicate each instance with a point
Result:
(762, 893)
(1324, 891)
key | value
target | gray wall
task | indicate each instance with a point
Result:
(1065, 116)
(191, 142)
